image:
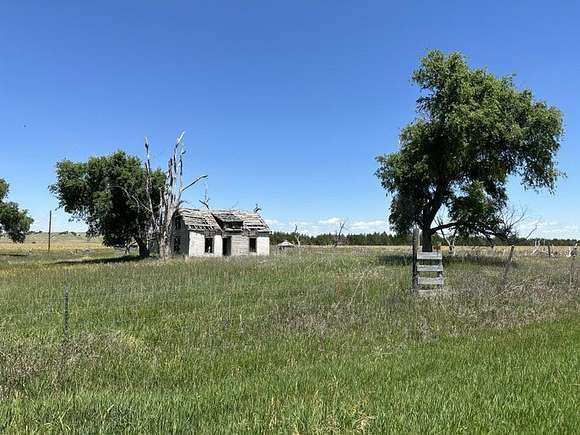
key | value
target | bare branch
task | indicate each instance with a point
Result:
(338, 233)
(447, 225)
(532, 231)
(296, 235)
(192, 183)
(133, 197)
(205, 200)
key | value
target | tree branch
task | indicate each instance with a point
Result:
(192, 183)
(447, 225)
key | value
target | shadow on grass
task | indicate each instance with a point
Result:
(6, 254)
(109, 260)
(400, 259)
(394, 259)
(477, 260)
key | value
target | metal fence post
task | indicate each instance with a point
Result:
(65, 316)
(65, 334)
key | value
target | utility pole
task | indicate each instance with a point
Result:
(49, 228)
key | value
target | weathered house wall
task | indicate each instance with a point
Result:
(182, 236)
(196, 244)
(240, 245)
(217, 245)
(263, 245)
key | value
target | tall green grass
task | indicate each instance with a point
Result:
(317, 342)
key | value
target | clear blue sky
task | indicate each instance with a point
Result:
(285, 103)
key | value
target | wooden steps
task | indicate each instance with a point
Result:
(427, 271)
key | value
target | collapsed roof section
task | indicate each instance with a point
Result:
(224, 221)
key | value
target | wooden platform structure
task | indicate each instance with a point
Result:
(429, 264)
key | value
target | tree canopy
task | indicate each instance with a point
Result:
(473, 131)
(14, 222)
(108, 194)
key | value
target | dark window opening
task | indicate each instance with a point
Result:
(227, 246)
(253, 244)
(178, 224)
(208, 245)
(176, 243)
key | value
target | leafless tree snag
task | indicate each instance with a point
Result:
(338, 233)
(449, 236)
(537, 246)
(162, 222)
(507, 268)
(296, 235)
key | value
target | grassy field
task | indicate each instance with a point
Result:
(321, 341)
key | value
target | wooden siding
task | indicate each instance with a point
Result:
(263, 245)
(240, 245)
(183, 235)
(196, 244)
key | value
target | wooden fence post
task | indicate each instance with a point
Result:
(49, 228)
(573, 265)
(508, 266)
(65, 335)
(415, 275)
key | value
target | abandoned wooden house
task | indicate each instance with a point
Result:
(218, 232)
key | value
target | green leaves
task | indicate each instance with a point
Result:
(14, 222)
(108, 193)
(473, 131)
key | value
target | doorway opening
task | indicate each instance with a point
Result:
(227, 246)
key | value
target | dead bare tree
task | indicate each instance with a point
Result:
(537, 246)
(162, 221)
(296, 235)
(338, 234)
(532, 231)
(449, 236)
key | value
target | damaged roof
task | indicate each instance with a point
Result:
(224, 220)
(199, 220)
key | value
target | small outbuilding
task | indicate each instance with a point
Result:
(285, 246)
(220, 232)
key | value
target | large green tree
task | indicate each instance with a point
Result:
(108, 193)
(14, 222)
(473, 131)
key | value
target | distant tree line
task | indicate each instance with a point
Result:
(347, 239)
(385, 239)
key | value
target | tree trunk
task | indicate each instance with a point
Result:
(143, 248)
(426, 242)
(165, 248)
(452, 249)
(166, 234)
